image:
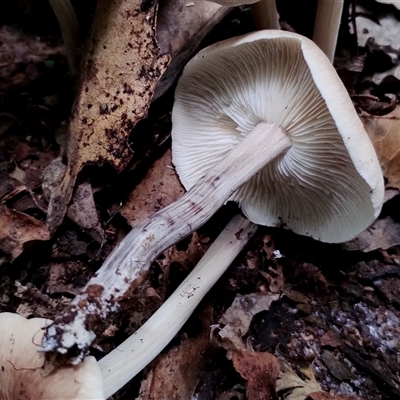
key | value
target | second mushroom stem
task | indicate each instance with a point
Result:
(77, 327)
(129, 358)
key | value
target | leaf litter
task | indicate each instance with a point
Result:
(335, 311)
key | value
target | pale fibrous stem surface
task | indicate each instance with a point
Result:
(77, 327)
(129, 358)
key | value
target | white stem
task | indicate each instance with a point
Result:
(70, 31)
(326, 26)
(129, 358)
(265, 15)
(121, 273)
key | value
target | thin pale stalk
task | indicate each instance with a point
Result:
(326, 26)
(265, 15)
(70, 31)
(126, 266)
(129, 358)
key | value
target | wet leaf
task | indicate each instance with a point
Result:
(17, 229)
(82, 211)
(239, 315)
(159, 188)
(382, 234)
(176, 373)
(384, 133)
(260, 370)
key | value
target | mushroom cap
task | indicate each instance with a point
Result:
(329, 184)
(22, 366)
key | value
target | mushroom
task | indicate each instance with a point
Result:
(23, 374)
(327, 24)
(264, 12)
(263, 120)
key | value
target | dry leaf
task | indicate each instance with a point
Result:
(120, 71)
(176, 373)
(159, 188)
(292, 386)
(382, 234)
(181, 27)
(16, 229)
(82, 211)
(329, 396)
(239, 315)
(260, 370)
(384, 133)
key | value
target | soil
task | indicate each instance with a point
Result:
(336, 310)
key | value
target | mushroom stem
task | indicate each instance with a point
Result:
(130, 357)
(122, 271)
(70, 31)
(326, 26)
(265, 15)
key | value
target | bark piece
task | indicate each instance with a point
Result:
(120, 71)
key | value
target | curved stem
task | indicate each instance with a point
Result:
(327, 24)
(126, 266)
(265, 15)
(70, 31)
(129, 358)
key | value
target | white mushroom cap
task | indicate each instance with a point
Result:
(22, 366)
(329, 184)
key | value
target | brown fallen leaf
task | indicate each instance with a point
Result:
(175, 374)
(181, 27)
(329, 396)
(239, 315)
(384, 133)
(17, 229)
(382, 234)
(260, 370)
(82, 211)
(159, 188)
(19, 49)
(120, 70)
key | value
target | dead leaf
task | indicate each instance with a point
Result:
(120, 71)
(384, 133)
(82, 211)
(17, 229)
(159, 188)
(331, 339)
(260, 370)
(238, 316)
(17, 48)
(382, 234)
(292, 387)
(175, 374)
(181, 27)
(329, 396)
